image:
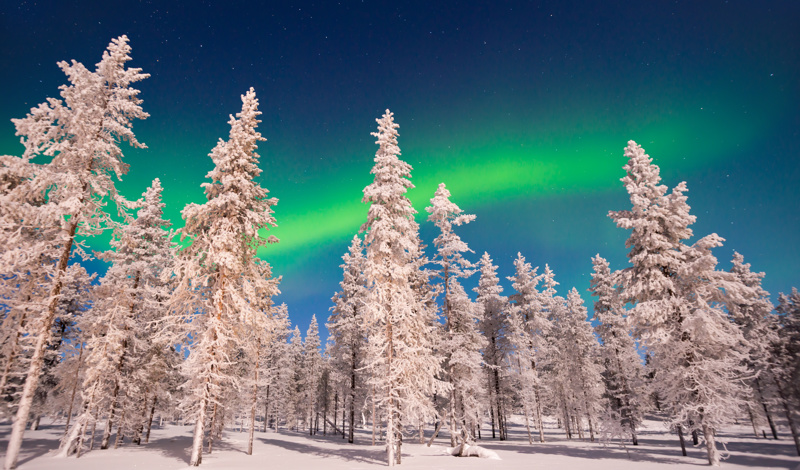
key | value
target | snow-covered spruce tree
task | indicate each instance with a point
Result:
(493, 325)
(751, 309)
(528, 335)
(786, 370)
(312, 371)
(294, 406)
(425, 336)
(578, 372)
(275, 371)
(697, 352)
(625, 387)
(347, 331)
(120, 347)
(18, 340)
(82, 135)
(20, 285)
(403, 368)
(73, 305)
(224, 290)
(463, 342)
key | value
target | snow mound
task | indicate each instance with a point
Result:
(473, 451)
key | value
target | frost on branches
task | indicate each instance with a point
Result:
(126, 360)
(624, 373)
(528, 336)
(347, 330)
(81, 132)
(493, 326)
(785, 366)
(402, 362)
(223, 300)
(463, 342)
(698, 352)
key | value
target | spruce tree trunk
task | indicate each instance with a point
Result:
(372, 390)
(74, 389)
(211, 429)
(150, 420)
(120, 431)
(792, 425)
(253, 409)
(539, 415)
(752, 420)
(350, 434)
(81, 430)
(37, 360)
(567, 430)
(197, 442)
(766, 410)
(137, 436)
(390, 431)
(527, 423)
(683, 443)
(453, 429)
(492, 417)
(711, 446)
(110, 421)
(266, 411)
(336, 410)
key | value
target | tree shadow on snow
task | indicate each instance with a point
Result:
(33, 447)
(356, 454)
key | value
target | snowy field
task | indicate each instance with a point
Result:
(169, 448)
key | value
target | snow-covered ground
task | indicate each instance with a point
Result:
(169, 448)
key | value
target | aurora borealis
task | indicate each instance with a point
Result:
(522, 109)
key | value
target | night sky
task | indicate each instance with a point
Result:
(522, 109)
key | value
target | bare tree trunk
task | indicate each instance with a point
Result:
(372, 390)
(492, 411)
(683, 443)
(752, 420)
(351, 432)
(527, 423)
(766, 409)
(266, 411)
(197, 442)
(711, 446)
(435, 433)
(137, 436)
(120, 431)
(539, 415)
(150, 420)
(74, 389)
(94, 428)
(255, 399)
(390, 415)
(335, 409)
(453, 431)
(211, 429)
(792, 426)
